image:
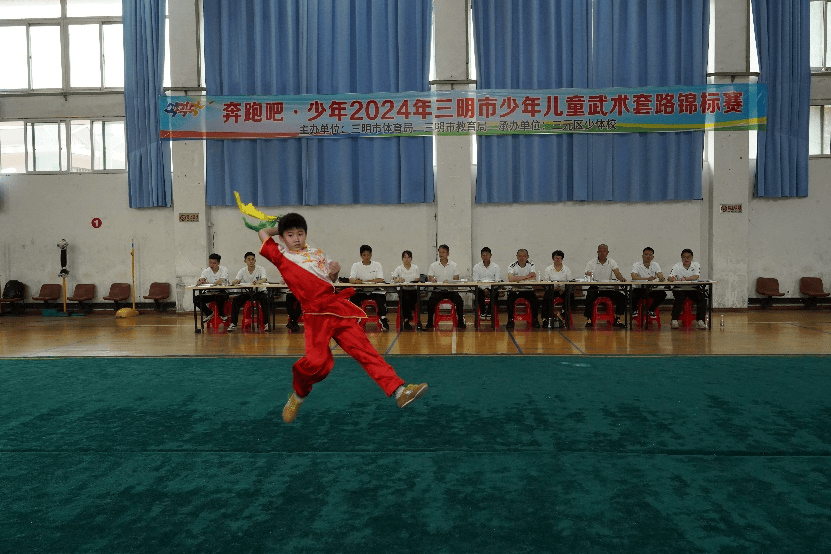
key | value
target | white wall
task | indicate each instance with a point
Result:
(787, 238)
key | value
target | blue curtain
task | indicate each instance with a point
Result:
(783, 44)
(148, 164)
(318, 47)
(590, 44)
(641, 43)
(531, 44)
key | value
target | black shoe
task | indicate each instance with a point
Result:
(429, 327)
(619, 324)
(407, 326)
(510, 324)
(385, 324)
(461, 324)
(536, 324)
(293, 326)
(589, 323)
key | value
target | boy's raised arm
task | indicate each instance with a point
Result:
(267, 232)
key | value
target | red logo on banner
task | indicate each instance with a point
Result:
(96, 222)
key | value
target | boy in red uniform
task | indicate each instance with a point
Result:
(327, 315)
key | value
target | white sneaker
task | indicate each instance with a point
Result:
(265, 328)
(674, 324)
(700, 325)
(231, 327)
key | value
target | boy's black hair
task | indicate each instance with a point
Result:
(485, 249)
(445, 247)
(365, 248)
(684, 251)
(650, 249)
(216, 257)
(406, 253)
(291, 221)
(249, 254)
(558, 253)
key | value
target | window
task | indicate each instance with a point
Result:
(820, 55)
(64, 146)
(819, 131)
(44, 50)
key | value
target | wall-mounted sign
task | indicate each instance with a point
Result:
(188, 218)
(731, 208)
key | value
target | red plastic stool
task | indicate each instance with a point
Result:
(644, 319)
(607, 315)
(525, 314)
(445, 312)
(559, 302)
(248, 321)
(687, 317)
(494, 311)
(370, 318)
(216, 320)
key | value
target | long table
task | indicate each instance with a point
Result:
(198, 290)
(470, 286)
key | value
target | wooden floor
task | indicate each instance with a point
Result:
(745, 332)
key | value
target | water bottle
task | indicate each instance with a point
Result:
(722, 321)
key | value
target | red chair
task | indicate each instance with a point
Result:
(767, 288)
(608, 313)
(644, 319)
(495, 313)
(559, 302)
(216, 320)
(523, 312)
(83, 293)
(687, 316)
(248, 318)
(372, 317)
(445, 312)
(157, 293)
(811, 287)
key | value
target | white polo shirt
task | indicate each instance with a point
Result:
(602, 272)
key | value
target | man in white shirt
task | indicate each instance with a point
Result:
(602, 268)
(687, 270)
(647, 270)
(444, 271)
(214, 274)
(367, 271)
(523, 270)
(251, 274)
(485, 272)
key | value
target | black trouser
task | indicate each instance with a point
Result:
(618, 300)
(293, 308)
(481, 296)
(656, 297)
(548, 300)
(378, 297)
(203, 300)
(696, 296)
(240, 300)
(440, 295)
(408, 299)
(528, 295)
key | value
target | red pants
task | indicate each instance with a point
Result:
(318, 361)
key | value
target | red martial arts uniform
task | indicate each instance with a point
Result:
(327, 315)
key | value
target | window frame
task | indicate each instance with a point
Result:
(63, 23)
(65, 145)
